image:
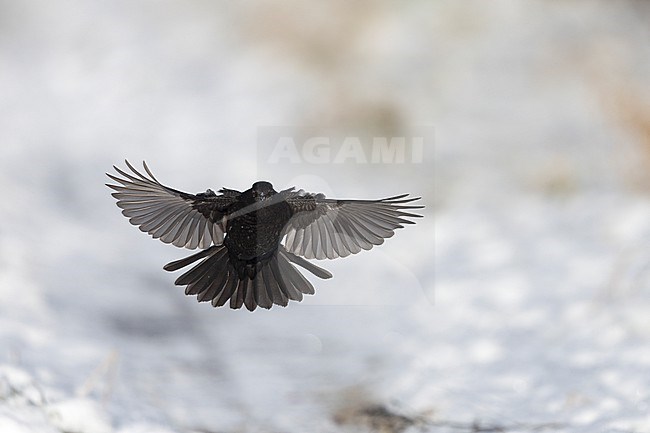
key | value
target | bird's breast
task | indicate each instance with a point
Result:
(258, 232)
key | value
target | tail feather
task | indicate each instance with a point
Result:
(293, 279)
(214, 288)
(316, 270)
(228, 290)
(249, 295)
(284, 282)
(200, 277)
(261, 294)
(176, 265)
(273, 281)
(237, 299)
(273, 288)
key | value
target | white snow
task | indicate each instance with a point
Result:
(521, 300)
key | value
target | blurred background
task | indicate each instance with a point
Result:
(520, 302)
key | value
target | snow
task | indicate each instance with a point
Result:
(520, 302)
(78, 415)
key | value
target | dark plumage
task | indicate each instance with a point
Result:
(240, 233)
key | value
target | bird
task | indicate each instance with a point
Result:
(250, 242)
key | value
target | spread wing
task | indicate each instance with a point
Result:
(174, 217)
(327, 228)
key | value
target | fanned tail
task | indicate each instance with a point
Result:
(275, 280)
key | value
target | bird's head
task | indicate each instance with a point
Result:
(262, 190)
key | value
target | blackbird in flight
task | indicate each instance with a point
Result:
(240, 234)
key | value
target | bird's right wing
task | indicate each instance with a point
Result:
(328, 228)
(174, 217)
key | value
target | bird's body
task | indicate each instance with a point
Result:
(240, 235)
(256, 233)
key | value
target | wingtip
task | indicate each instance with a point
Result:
(146, 168)
(128, 164)
(401, 199)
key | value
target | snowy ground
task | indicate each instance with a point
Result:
(519, 303)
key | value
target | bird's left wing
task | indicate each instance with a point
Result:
(328, 228)
(174, 217)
